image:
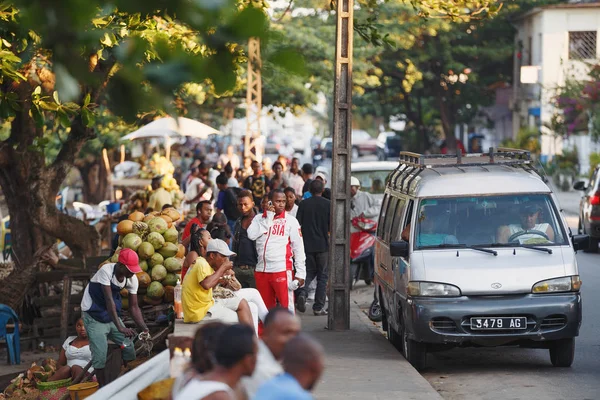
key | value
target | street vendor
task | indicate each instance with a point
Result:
(101, 308)
(159, 196)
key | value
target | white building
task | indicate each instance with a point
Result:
(552, 44)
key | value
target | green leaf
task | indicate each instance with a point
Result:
(63, 118)
(37, 116)
(46, 105)
(38, 90)
(55, 96)
(87, 99)
(289, 59)
(87, 117)
(250, 22)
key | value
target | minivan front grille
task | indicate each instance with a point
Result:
(553, 322)
(442, 325)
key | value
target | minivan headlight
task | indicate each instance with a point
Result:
(558, 285)
(432, 289)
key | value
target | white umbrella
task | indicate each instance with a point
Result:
(167, 128)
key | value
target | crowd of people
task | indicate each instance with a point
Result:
(257, 235)
(256, 238)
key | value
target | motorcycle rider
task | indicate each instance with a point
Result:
(361, 203)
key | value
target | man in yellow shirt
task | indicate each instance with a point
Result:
(197, 297)
(159, 196)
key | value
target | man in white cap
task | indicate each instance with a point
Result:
(197, 295)
(362, 203)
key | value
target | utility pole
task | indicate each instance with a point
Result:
(339, 249)
(253, 146)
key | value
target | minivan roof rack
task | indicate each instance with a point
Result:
(412, 164)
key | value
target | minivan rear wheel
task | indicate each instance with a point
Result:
(414, 352)
(562, 352)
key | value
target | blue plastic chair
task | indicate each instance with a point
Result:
(13, 342)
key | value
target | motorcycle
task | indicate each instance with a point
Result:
(362, 246)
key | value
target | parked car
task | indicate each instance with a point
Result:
(476, 255)
(373, 175)
(327, 146)
(589, 209)
(365, 144)
(392, 144)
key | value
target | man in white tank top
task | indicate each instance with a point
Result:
(529, 231)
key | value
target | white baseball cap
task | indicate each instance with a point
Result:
(321, 175)
(219, 246)
(354, 181)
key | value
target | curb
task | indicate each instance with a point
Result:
(374, 329)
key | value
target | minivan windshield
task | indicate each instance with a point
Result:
(488, 221)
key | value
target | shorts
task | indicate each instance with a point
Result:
(99, 333)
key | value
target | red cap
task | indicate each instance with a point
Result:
(130, 259)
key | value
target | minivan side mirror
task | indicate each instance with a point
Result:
(399, 249)
(580, 185)
(580, 242)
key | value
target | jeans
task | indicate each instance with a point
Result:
(98, 334)
(316, 267)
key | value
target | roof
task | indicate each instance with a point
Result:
(562, 6)
(493, 180)
(373, 166)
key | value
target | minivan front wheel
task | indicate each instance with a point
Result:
(562, 352)
(414, 352)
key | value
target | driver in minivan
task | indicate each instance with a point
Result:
(529, 231)
(433, 225)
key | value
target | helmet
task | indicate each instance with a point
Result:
(354, 181)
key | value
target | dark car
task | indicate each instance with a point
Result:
(392, 144)
(364, 144)
(589, 209)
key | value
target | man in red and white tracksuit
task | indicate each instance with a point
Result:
(278, 236)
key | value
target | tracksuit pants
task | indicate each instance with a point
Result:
(274, 288)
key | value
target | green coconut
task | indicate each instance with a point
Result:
(156, 259)
(145, 251)
(156, 239)
(132, 241)
(169, 250)
(144, 265)
(172, 264)
(155, 291)
(158, 273)
(115, 257)
(170, 280)
(171, 235)
(158, 225)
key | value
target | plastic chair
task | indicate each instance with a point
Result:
(13, 341)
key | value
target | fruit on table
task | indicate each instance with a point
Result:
(125, 227)
(155, 291)
(145, 251)
(173, 264)
(180, 251)
(158, 224)
(170, 280)
(144, 265)
(167, 219)
(132, 241)
(172, 213)
(143, 279)
(150, 301)
(169, 296)
(136, 216)
(115, 257)
(156, 259)
(168, 250)
(159, 272)
(141, 229)
(171, 235)
(156, 239)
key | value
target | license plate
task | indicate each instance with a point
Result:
(498, 324)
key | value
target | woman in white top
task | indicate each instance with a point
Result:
(74, 356)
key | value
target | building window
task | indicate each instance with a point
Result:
(582, 45)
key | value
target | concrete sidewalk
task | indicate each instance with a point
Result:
(362, 364)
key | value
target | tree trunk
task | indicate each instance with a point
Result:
(95, 182)
(30, 187)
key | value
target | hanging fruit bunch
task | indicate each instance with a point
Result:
(160, 165)
(154, 237)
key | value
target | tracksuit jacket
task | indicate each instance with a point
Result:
(278, 237)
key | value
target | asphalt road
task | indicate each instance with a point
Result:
(515, 373)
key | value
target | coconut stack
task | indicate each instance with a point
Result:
(155, 239)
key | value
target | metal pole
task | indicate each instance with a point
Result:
(252, 142)
(339, 251)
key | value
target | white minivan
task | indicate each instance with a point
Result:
(473, 251)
